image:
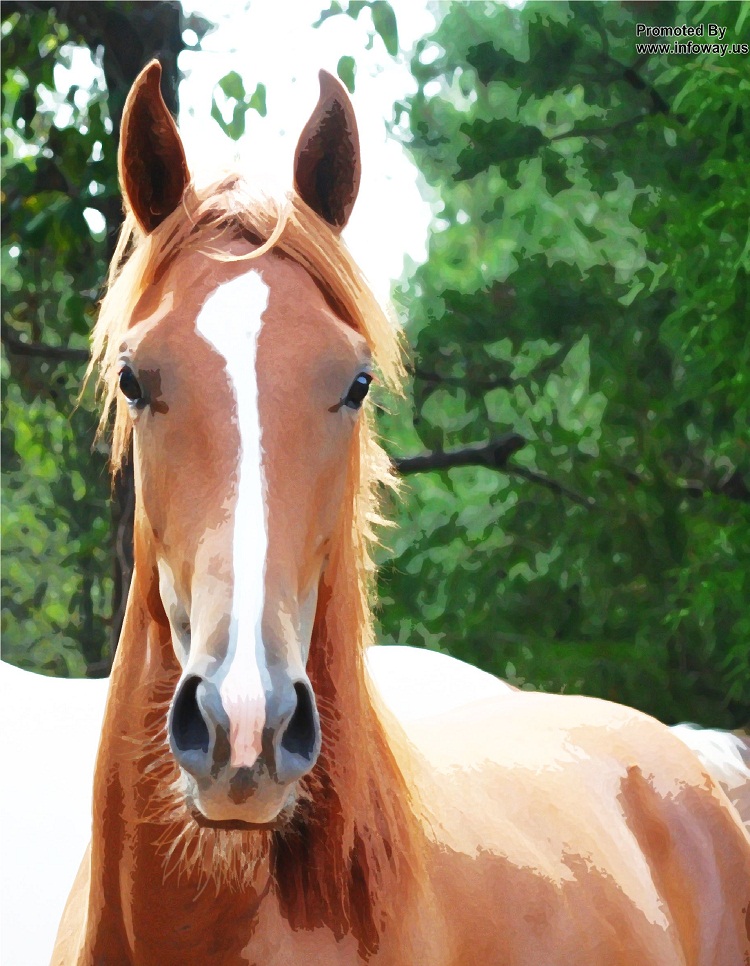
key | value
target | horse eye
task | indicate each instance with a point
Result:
(358, 390)
(129, 385)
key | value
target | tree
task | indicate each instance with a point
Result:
(66, 557)
(576, 468)
(583, 309)
(66, 544)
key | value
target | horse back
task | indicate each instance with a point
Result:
(582, 831)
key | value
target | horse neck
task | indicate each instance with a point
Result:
(355, 820)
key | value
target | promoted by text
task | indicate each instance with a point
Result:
(713, 34)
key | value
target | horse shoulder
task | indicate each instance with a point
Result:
(554, 807)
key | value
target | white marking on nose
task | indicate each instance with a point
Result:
(176, 613)
(230, 321)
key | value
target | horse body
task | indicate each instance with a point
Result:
(255, 801)
(412, 683)
(620, 873)
(565, 820)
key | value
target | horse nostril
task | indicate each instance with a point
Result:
(189, 729)
(300, 737)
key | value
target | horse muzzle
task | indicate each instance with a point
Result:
(227, 786)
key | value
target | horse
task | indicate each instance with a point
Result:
(255, 800)
(38, 863)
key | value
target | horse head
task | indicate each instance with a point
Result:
(241, 381)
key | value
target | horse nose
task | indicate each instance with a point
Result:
(199, 729)
(297, 740)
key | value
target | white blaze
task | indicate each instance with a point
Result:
(230, 321)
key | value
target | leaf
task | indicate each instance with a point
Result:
(234, 128)
(232, 85)
(384, 21)
(346, 69)
(743, 14)
(494, 142)
(258, 100)
(492, 64)
(332, 11)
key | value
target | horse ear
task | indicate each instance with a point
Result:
(152, 166)
(326, 163)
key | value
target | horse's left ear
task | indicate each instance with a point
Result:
(152, 166)
(326, 163)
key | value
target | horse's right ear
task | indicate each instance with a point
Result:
(152, 166)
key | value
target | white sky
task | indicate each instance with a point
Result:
(273, 42)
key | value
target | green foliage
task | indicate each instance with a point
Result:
(346, 69)
(61, 212)
(383, 19)
(60, 184)
(384, 25)
(236, 102)
(587, 288)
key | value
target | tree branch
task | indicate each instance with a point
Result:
(56, 353)
(541, 480)
(494, 455)
(499, 382)
(733, 487)
(636, 81)
(592, 132)
(471, 381)
(631, 74)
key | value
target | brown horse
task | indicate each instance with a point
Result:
(254, 800)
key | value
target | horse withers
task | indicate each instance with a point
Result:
(255, 801)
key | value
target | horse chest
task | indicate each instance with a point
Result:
(408, 940)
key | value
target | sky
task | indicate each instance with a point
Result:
(274, 43)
